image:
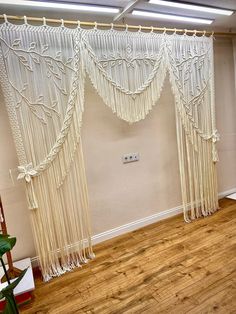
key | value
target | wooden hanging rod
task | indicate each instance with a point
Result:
(123, 26)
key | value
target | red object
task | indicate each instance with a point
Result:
(20, 299)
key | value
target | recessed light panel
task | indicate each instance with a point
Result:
(65, 6)
(171, 17)
(193, 7)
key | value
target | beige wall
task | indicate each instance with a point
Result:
(121, 193)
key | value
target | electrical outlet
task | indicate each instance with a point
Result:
(131, 157)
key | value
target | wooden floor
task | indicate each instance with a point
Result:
(167, 267)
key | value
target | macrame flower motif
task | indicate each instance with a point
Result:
(26, 172)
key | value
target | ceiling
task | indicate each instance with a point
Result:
(221, 23)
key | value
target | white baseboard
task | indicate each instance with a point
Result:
(225, 193)
(137, 224)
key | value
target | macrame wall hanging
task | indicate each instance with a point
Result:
(43, 70)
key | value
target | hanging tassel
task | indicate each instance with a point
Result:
(32, 201)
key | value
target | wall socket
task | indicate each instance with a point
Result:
(131, 157)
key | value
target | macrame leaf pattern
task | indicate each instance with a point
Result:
(126, 72)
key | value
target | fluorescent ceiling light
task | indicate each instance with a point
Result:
(191, 7)
(66, 6)
(171, 17)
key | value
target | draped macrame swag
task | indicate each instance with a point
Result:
(43, 70)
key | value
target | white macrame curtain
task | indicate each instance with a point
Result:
(42, 77)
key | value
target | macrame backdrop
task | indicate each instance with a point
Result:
(42, 76)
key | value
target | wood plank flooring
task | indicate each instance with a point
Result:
(167, 267)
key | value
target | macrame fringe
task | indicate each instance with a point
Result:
(197, 173)
(197, 167)
(61, 224)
